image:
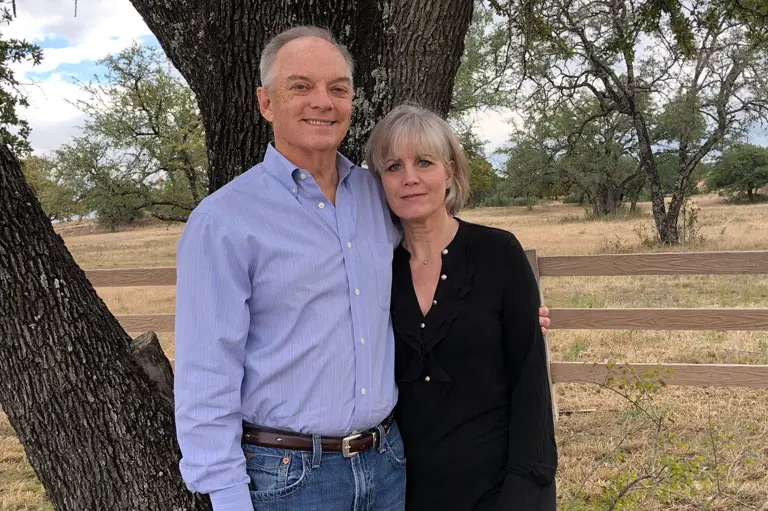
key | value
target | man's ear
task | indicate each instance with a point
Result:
(265, 103)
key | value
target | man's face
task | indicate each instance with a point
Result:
(310, 101)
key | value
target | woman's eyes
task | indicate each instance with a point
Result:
(423, 164)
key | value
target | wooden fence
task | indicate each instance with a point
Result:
(690, 263)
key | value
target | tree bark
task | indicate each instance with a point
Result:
(95, 429)
(608, 198)
(403, 49)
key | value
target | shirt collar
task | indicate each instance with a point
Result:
(282, 169)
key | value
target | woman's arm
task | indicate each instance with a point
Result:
(532, 462)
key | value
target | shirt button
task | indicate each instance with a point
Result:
(321, 205)
(349, 244)
(363, 391)
(303, 176)
(357, 292)
(293, 190)
(427, 379)
(362, 340)
(422, 325)
(445, 251)
(443, 277)
(434, 302)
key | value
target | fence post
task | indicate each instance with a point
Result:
(533, 260)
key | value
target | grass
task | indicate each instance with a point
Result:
(590, 454)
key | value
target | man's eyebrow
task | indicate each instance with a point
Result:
(298, 77)
(293, 78)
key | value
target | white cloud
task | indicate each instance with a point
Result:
(495, 127)
(101, 27)
(50, 114)
(96, 21)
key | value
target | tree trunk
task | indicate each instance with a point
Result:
(608, 198)
(750, 194)
(403, 49)
(667, 233)
(670, 234)
(95, 429)
(635, 187)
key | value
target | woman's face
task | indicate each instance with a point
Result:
(415, 182)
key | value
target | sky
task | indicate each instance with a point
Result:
(71, 47)
(73, 44)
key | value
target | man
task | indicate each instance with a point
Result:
(284, 346)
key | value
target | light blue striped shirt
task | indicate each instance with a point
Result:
(282, 317)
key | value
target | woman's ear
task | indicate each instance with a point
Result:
(449, 178)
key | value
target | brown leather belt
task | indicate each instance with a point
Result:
(348, 446)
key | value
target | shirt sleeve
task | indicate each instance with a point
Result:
(532, 460)
(212, 322)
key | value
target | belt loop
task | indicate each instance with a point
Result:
(381, 436)
(317, 451)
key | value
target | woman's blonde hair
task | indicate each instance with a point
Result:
(426, 132)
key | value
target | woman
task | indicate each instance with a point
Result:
(474, 404)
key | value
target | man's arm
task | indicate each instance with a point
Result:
(544, 320)
(212, 321)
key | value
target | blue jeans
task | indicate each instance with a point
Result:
(284, 480)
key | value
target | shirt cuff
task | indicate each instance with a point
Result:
(234, 498)
(523, 494)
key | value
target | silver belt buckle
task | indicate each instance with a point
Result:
(345, 447)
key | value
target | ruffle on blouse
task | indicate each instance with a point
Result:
(407, 318)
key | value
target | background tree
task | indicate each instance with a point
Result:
(482, 181)
(710, 60)
(530, 169)
(59, 201)
(484, 79)
(142, 146)
(94, 175)
(64, 359)
(741, 168)
(590, 153)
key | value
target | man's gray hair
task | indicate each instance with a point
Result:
(269, 54)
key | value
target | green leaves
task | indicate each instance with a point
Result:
(143, 145)
(741, 168)
(14, 131)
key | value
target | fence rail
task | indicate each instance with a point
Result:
(690, 263)
(677, 263)
(694, 375)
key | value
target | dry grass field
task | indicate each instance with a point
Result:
(714, 441)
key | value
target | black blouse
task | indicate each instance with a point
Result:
(474, 405)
